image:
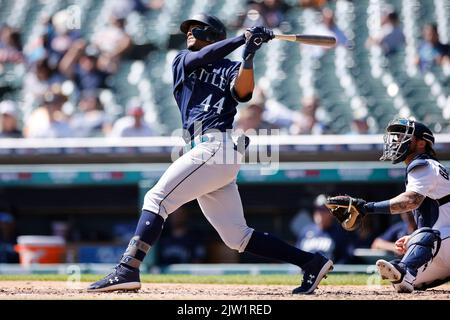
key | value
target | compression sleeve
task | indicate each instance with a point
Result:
(212, 52)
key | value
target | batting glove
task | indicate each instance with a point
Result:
(255, 37)
(265, 33)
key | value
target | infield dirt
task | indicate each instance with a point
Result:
(56, 290)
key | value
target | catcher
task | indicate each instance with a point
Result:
(426, 252)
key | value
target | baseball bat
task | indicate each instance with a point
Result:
(325, 41)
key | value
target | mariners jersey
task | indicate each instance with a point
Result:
(205, 95)
(429, 178)
(334, 243)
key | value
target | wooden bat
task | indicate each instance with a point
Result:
(325, 41)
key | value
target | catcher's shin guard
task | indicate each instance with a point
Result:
(423, 245)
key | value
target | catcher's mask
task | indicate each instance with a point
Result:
(398, 137)
(211, 28)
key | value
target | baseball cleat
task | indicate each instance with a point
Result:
(402, 281)
(388, 271)
(121, 279)
(314, 272)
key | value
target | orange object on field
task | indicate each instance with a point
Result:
(40, 249)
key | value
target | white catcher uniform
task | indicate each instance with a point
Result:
(429, 178)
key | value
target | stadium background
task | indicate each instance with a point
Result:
(330, 106)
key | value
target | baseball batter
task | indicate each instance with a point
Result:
(207, 88)
(426, 252)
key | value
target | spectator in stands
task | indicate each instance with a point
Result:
(253, 16)
(113, 42)
(9, 115)
(132, 125)
(90, 120)
(273, 12)
(301, 219)
(362, 125)
(332, 28)
(125, 7)
(10, 46)
(276, 115)
(431, 51)
(364, 236)
(180, 244)
(81, 64)
(326, 27)
(60, 37)
(315, 4)
(391, 37)
(49, 121)
(153, 4)
(8, 236)
(305, 121)
(39, 81)
(37, 48)
(386, 241)
(251, 116)
(268, 13)
(325, 235)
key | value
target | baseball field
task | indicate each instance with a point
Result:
(217, 287)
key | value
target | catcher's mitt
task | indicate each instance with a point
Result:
(347, 210)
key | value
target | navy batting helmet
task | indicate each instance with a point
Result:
(213, 29)
(398, 136)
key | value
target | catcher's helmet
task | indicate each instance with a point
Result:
(398, 136)
(213, 29)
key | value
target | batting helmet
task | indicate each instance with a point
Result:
(398, 136)
(213, 29)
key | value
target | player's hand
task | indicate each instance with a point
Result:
(401, 245)
(265, 33)
(254, 38)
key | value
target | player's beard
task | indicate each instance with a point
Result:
(193, 47)
(197, 45)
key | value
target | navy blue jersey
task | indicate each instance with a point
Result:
(334, 243)
(205, 95)
(395, 232)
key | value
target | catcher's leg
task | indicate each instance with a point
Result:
(437, 272)
(422, 247)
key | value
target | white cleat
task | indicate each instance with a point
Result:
(401, 283)
(387, 271)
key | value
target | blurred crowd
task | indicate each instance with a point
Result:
(66, 73)
(64, 78)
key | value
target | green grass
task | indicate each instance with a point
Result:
(272, 279)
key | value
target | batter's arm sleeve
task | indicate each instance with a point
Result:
(212, 52)
(178, 68)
